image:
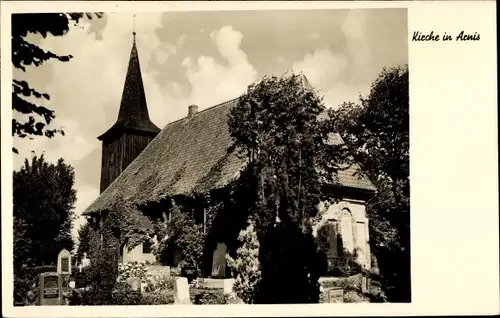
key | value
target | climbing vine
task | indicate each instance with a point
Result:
(183, 233)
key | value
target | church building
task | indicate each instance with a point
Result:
(147, 167)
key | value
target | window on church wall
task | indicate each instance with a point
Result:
(347, 231)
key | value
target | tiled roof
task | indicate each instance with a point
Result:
(189, 156)
(351, 175)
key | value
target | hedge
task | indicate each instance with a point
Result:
(26, 282)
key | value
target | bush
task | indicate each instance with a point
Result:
(345, 267)
(246, 266)
(79, 297)
(124, 295)
(183, 233)
(102, 274)
(159, 290)
(26, 282)
(290, 270)
(23, 290)
(347, 283)
(160, 283)
(351, 296)
(376, 294)
(210, 297)
(162, 297)
(133, 269)
(353, 291)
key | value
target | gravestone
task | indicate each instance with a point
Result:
(64, 262)
(135, 283)
(334, 295)
(80, 280)
(181, 291)
(364, 284)
(219, 261)
(50, 293)
(189, 273)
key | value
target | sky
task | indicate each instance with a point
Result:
(201, 58)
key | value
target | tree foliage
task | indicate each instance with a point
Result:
(276, 127)
(246, 265)
(83, 240)
(44, 198)
(376, 132)
(22, 243)
(26, 53)
(183, 233)
(105, 235)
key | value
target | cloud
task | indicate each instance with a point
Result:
(355, 30)
(212, 82)
(325, 71)
(322, 67)
(344, 75)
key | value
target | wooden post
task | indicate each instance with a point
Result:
(204, 220)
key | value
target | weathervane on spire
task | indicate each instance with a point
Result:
(133, 33)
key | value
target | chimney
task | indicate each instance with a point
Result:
(193, 109)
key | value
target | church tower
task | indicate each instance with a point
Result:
(132, 131)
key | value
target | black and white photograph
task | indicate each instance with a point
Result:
(196, 157)
(221, 157)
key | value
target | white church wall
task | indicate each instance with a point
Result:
(136, 254)
(349, 219)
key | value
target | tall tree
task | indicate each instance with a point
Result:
(44, 198)
(22, 244)
(24, 54)
(376, 131)
(275, 125)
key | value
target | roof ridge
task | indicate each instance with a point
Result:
(218, 105)
(204, 110)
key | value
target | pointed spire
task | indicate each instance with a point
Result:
(133, 112)
(305, 82)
